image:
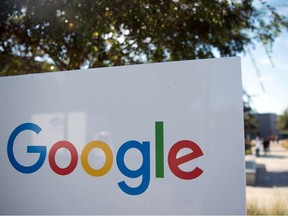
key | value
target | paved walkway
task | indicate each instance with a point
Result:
(271, 180)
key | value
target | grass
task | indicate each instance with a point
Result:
(284, 143)
(278, 207)
(254, 209)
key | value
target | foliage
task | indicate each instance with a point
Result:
(48, 35)
(283, 122)
(250, 120)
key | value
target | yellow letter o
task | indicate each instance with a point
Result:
(108, 163)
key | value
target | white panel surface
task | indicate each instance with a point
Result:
(199, 100)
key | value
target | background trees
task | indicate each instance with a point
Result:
(51, 35)
(283, 122)
(250, 119)
(283, 128)
(48, 35)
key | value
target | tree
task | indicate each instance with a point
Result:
(46, 35)
(250, 120)
(283, 122)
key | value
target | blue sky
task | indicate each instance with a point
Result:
(274, 97)
(274, 77)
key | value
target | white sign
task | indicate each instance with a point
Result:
(163, 138)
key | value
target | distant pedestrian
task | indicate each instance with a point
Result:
(257, 146)
(266, 145)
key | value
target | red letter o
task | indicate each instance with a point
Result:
(74, 157)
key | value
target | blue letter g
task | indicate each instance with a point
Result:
(30, 149)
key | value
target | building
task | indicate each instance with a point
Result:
(267, 124)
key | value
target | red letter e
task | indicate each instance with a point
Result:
(175, 162)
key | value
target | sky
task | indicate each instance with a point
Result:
(273, 96)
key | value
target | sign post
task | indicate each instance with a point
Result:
(164, 138)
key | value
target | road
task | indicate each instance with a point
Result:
(271, 180)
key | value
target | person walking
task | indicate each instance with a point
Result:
(266, 145)
(257, 146)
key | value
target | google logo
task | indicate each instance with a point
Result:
(143, 171)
